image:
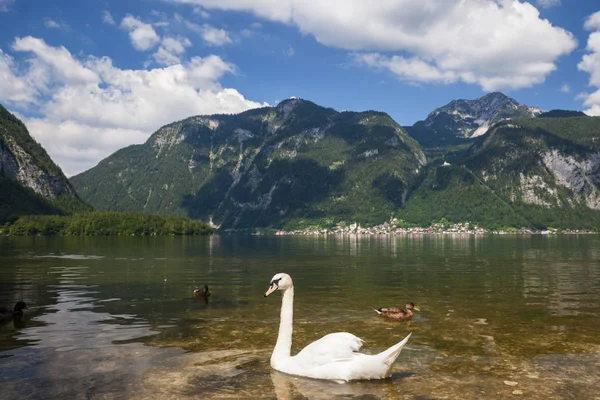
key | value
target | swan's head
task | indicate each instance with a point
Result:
(280, 281)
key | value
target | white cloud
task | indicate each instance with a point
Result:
(108, 18)
(52, 24)
(214, 36)
(493, 43)
(142, 35)
(412, 68)
(590, 63)
(88, 108)
(593, 21)
(14, 88)
(548, 3)
(211, 35)
(169, 50)
(565, 88)
(290, 52)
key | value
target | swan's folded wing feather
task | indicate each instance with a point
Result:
(337, 346)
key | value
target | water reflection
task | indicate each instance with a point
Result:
(288, 387)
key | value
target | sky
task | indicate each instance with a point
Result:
(90, 77)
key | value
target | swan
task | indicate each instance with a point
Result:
(397, 312)
(334, 356)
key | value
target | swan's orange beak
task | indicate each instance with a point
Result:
(272, 288)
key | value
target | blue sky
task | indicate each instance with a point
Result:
(90, 77)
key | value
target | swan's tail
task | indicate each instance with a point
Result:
(390, 355)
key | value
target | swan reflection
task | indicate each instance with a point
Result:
(288, 387)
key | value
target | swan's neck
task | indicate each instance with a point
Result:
(283, 347)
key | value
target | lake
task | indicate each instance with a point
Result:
(501, 316)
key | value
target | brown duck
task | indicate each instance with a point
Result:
(397, 312)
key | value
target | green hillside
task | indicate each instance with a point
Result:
(282, 166)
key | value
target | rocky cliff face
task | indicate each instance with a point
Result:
(543, 163)
(31, 182)
(17, 164)
(268, 167)
(579, 175)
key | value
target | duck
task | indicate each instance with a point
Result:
(334, 357)
(397, 312)
(16, 312)
(204, 292)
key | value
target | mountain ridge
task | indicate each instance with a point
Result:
(269, 166)
(461, 120)
(30, 181)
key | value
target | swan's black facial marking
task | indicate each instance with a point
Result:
(273, 286)
(275, 282)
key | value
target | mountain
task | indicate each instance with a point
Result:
(460, 120)
(30, 182)
(533, 172)
(561, 114)
(285, 166)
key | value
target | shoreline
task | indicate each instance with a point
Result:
(435, 229)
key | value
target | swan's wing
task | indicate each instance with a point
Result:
(333, 347)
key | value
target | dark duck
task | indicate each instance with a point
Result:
(204, 292)
(17, 312)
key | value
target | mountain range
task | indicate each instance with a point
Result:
(490, 161)
(275, 166)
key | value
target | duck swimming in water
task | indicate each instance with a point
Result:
(204, 292)
(397, 312)
(7, 314)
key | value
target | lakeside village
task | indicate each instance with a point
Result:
(393, 228)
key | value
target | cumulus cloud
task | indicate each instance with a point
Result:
(170, 49)
(88, 108)
(565, 88)
(593, 21)
(142, 35)
(107, 18)
(492, 43)
(590, 63)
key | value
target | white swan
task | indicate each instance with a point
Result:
(334, 356)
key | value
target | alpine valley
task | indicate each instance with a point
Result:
(489, 161)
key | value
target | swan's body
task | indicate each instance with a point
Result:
(334, 356)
